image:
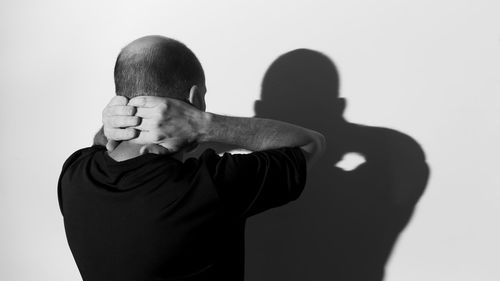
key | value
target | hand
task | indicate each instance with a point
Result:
(172, 123)
(118, 118)
(119, 121)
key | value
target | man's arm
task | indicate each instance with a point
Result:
(174, 123)
(257, 134)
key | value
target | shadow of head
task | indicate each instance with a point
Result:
(302, 87)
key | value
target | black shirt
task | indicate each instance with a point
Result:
(156, 218)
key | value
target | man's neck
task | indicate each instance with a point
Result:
(127, 150)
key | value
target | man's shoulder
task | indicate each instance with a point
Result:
(81, 153)
(72, 159)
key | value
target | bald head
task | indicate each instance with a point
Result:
(157, 66)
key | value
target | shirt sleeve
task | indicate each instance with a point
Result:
(72, 159)
(252, 183)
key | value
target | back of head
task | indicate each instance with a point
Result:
(157, 66)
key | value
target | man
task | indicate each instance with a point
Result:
(131, 214)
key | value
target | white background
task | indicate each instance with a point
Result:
(428, 68)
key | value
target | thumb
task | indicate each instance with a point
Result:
(153, 148)
(174, 145)
(111, 145)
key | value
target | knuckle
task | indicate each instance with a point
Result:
(163, 106)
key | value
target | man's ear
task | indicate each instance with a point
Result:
(196, 98)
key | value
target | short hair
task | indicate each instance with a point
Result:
(161, 67)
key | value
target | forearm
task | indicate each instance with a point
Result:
(260, 134)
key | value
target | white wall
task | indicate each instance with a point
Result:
(428, 68)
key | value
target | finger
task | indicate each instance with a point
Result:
(111, 145)
(145, 112)
(118, 100)
(147, 137)
(120, 134)
(147, 125)
(122, 121)
(122, 110)
(146, 101)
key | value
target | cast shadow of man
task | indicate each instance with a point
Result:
(345, 224)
